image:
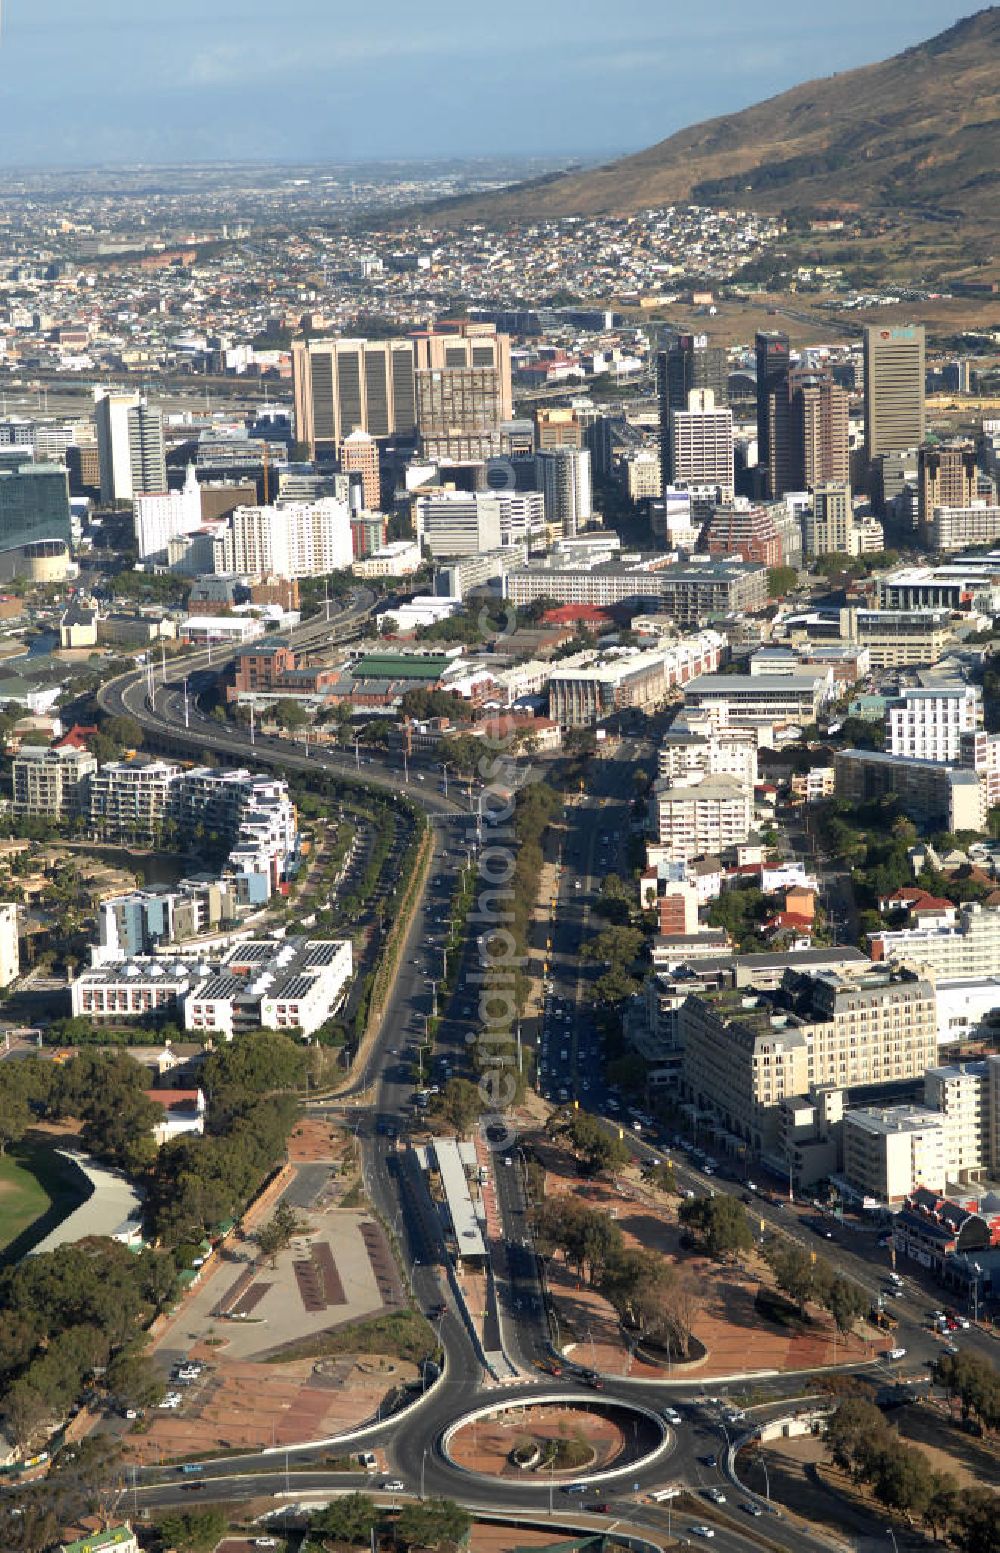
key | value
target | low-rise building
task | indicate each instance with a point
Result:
(763, 699)
(293, 984)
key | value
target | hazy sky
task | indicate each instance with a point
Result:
(85, 81)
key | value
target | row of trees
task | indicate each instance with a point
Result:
(425, 1523)
(900, 1476)
(722, 1226)
(973, 1384)
(656, 1300)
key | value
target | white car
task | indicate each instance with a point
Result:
(702, 1531)
(672, 1416)
(392, 1486)
(716, 1495)
(896, 1353)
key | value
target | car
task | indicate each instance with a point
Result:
(709, 1461)
(192, 1488)
(597, 1509)
(896, 1354)
(577, 1488)
(671, 1415)
(964, 1323)
(751, 1508)
(507, 1160)
(716, 1495)
(702, 1531)
(265, 1542)
(392, 1486)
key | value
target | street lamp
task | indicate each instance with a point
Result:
(890, 1533)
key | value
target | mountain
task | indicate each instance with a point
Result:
(919, 132)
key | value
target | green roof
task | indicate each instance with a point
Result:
(401, 666)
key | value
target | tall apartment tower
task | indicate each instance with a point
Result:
(147, 455)
(946, 477)
(807, 433)
(564, 480)
(830, 526)
(111, 412)
(701, 443)
(344, 385)
(771, 350)
(689, 364)
(894, 389)
(359, 456)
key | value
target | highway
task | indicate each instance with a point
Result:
(377, 1103)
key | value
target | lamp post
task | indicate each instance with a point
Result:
(890, 1533)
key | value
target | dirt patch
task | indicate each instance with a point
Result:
(584, 1442)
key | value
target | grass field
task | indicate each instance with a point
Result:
(34, 1183)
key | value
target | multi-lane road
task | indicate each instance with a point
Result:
(569, 1066)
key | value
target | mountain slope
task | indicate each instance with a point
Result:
(919, 131)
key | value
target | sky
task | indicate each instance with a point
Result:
(84, 82)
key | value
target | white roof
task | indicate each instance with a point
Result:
(465, 1222)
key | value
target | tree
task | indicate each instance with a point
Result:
(600, 1148)
(15, 1117)
(192, 1531)
(781, 580)
(134, 1379)
(720, 1222)
(976, 1528)
(793, 1268)
(942, 1502)
(433, 1523)
(291, 715)
(348, 1519)
(460, 1104)
(277, 1234)
(846, 1302)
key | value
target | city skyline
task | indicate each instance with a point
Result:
(220, 81)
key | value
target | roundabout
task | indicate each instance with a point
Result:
(558, 1438)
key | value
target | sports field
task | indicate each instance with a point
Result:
(34, 1183)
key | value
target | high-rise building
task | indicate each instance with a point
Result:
(701, 442)
(51, 783)
(10, 960)
(829, 528)
(111, 413)
(147, 456)
(158, 519)
(927, 723)
(463, 389)
(343, 385)
(557, 427)
(34, 506)
(807, 433)
(690, 363)
(743, 530)
(299, 539)
(894, 389)
(458, 522)
(771, 350)
(359, 455)
(946, 477)
(565, 482)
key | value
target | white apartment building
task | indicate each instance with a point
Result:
(716, 752)
(960, 1094)
(710, 813)
(589, 686)
(458, 522)
(564, 479)
(297, 539)
(762, 699)
(10, 958)
(890, 1150)
(159, 518)
(928, 724)
(954, 528)
(970, 950)
(51, 783)
(829, 527)
(701, 443)
(292, 984)
(131, 989)
(128, 799)
(399, 558)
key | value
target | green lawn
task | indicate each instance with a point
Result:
(34, 1182)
